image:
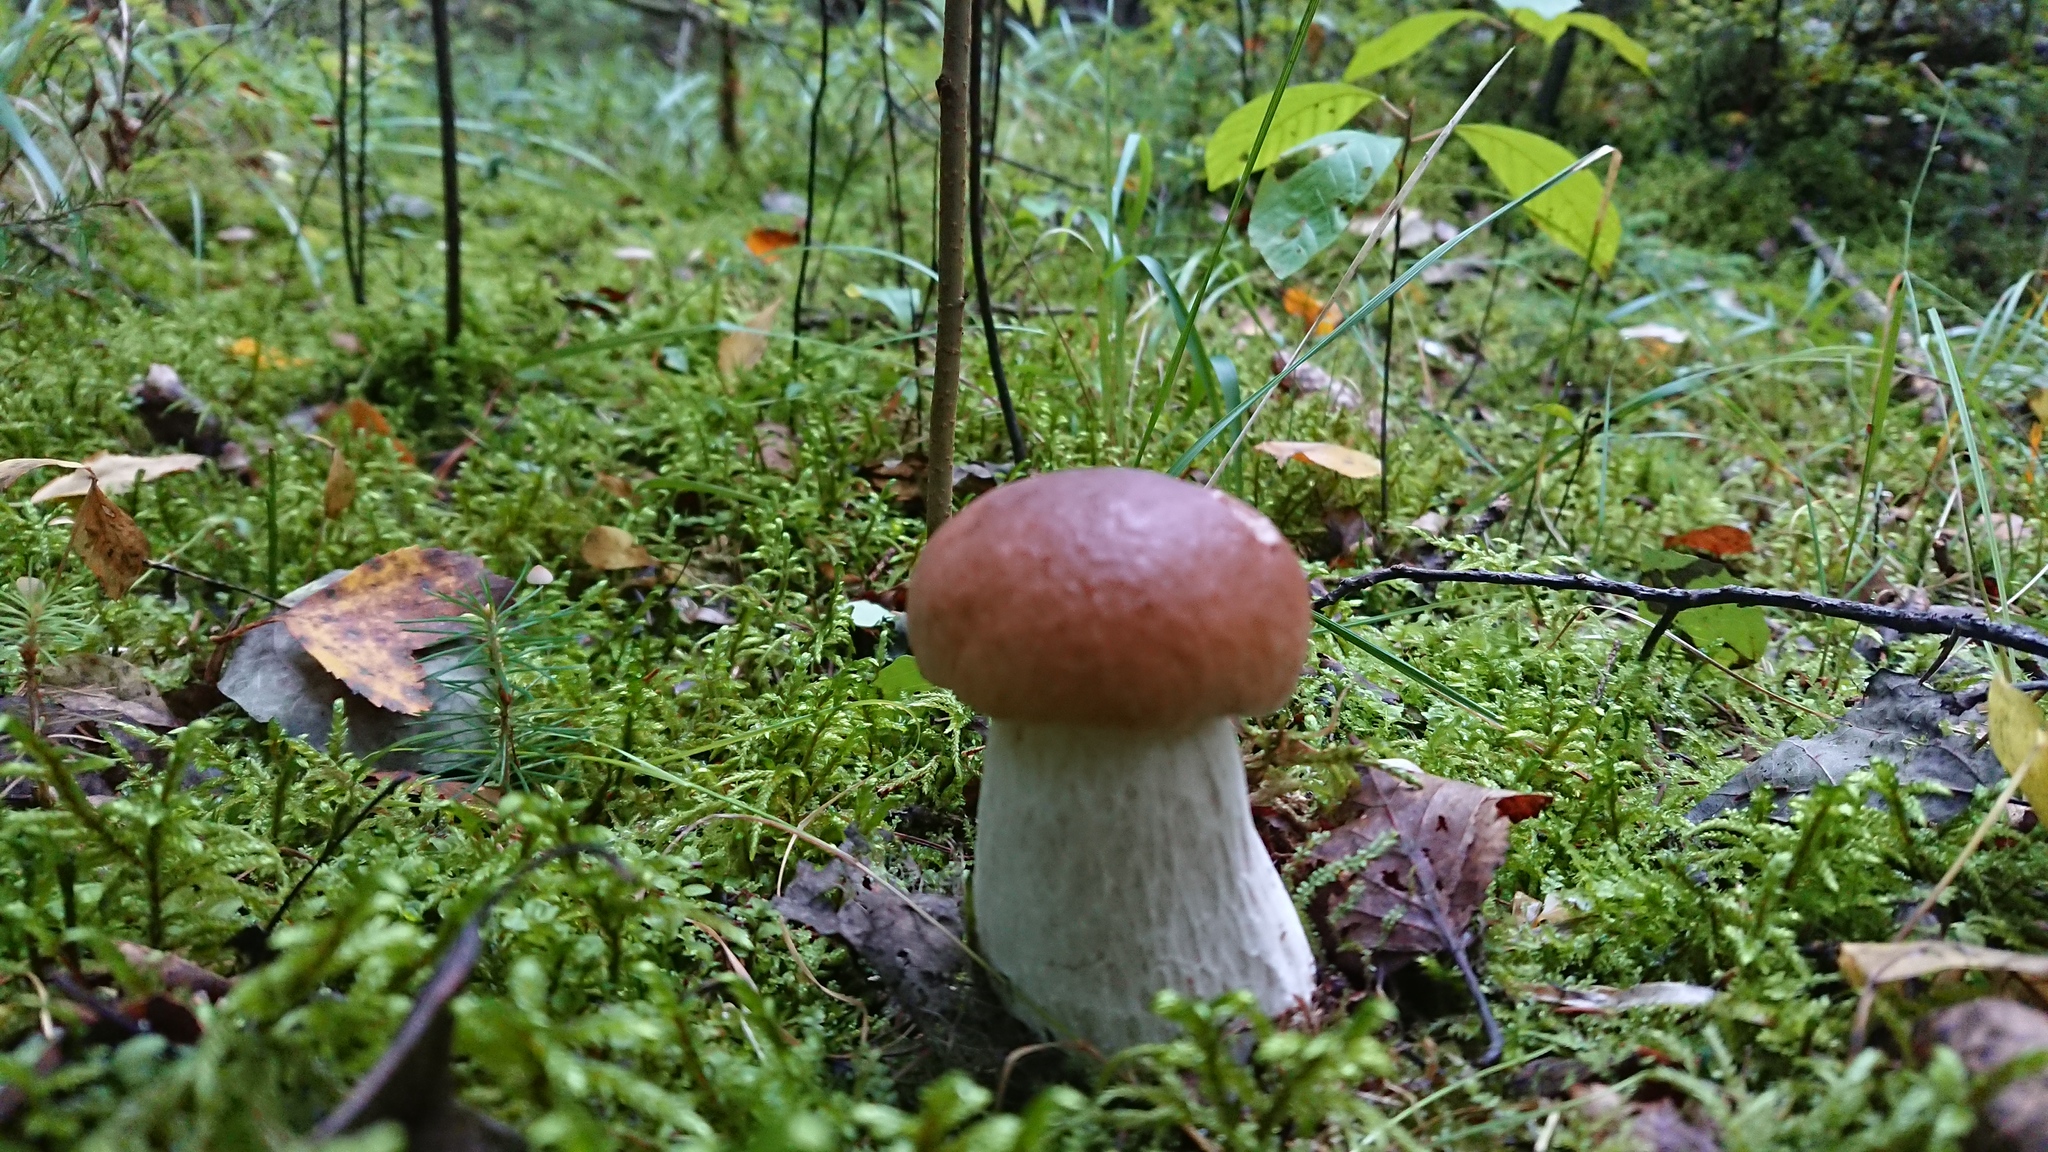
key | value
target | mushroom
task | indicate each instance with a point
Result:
(1111, 623)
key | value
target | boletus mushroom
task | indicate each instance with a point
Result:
(1110, 623)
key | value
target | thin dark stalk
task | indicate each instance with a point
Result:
(977, 199)
(1930, 622)
(1244, 55)
(803, 267)
(348, 219)
(1485, 322)
(954, 161)
(334, 843)
(895, 159)
(451, 180)
(1393, 273)
(362, 170)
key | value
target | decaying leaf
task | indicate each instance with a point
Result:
(1602, 1001)
(766, 242)
(1862, 964)
(2019, 739)
(171, 970)
(94, 686)
(13, 470)
(1335, 457)
(1721, 541)
(610, 549)
(778, 447)
(115, 473)
(1411, 865)
(358, 628)
(1989, 1034)
(741, 350)
(110, 542)
(340, 491)
(272, 677)
(1899, 720)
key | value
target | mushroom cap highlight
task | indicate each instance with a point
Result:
(1110, 596)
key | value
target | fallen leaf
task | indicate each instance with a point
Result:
(633, 254)
(1989, 1034)
(900, 678)
(766, 242)
(340, 491)
(1408, 870)
(1863, 964)
(174, 416)
(363, 628)
(612, 549)
(94, 686)
(740, 350)
(116, 474)
(783, 203)
(111, 543)
(271, 676)
(1335, 457)
(2038, 405)
(1720, 542)
(1303, 306)
(777, 448)
(173, 971)
(345, 341)
(1899, 720)
(13, 470)
(616, 485)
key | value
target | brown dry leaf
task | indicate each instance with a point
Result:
(1988, 1034)
(116, 474)
(778, 450)
(1303, 306)
(12, 470)
(612, 549)
(1721, 541)
(1335, 457)
(1435, 835)
(357, 627)
(340, 492)
(738, 351)
(616, 485)
(111, 543)
(174, 971)
(1890, 963)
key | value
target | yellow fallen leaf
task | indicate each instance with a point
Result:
(1335, 457)
(2018, 739)
(340, 491)
(610, 549)
(738, 351)
(116, 474)
(111, 543)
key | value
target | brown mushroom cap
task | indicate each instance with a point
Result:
(1110, 596)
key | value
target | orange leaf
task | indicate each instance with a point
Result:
(111, 543)
(1721, 541)
(366, 626)
(766, 242)
(363, 416)
(1303, 306)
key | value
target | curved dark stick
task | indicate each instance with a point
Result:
(1968, 625)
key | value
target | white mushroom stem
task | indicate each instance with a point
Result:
(1111, 863)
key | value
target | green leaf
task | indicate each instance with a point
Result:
(1306, 111)
(1734, 634)
(1521, 161)
(1547, 28)
(901, 678)
(1609, 33)
(1405, 39)
(1302, 215)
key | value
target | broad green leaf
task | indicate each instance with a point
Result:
(1304, 214)
(1734, 634)
(1546, 28)
(1306, 111)
(902, 303)
(2018, 739)
(1544, 9)
(1405, 39)
(901, 678)
(1609, 33)
(1035, 9)
(1521, 161)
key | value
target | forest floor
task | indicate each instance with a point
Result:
(212, 929)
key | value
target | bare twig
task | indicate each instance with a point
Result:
(217, 582)
(1967, 625)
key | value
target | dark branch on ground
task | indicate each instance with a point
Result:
(1968, 625)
